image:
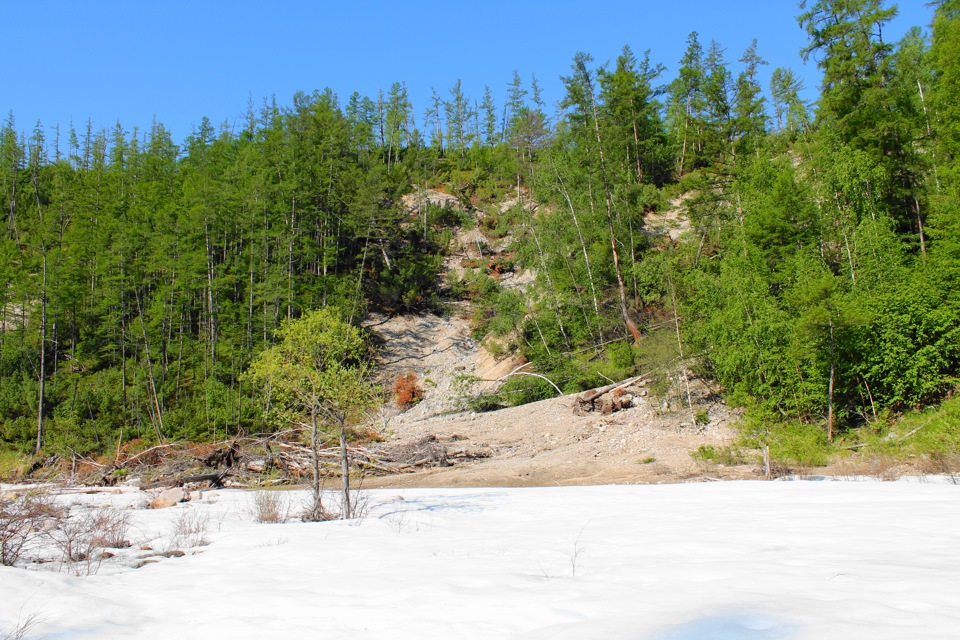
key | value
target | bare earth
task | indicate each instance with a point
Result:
(544, 443)
(539, 444)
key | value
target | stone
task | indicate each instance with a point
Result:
(169, 498)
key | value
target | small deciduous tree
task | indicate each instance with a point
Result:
(316, 376)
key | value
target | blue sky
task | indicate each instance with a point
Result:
(131, 60)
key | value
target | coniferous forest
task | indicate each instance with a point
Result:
(817, 284)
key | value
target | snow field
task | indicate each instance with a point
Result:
(718, 561)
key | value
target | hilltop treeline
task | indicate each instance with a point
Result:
(816, 282)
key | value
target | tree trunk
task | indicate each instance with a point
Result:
(315, 450)
(631, 326)
(43, 352)
(346, 511)
(158, 425)
(583, 247)
(830, 389)
(683, 364)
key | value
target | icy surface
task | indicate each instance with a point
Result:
(721, 561)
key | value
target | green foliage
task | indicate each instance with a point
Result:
(792, 444)
(520, 390)
(728, 456)
(910, 349)
(816, 279)
(935, 430)
(14, 466)
(798, 444)
(701, 418)
(316, 372)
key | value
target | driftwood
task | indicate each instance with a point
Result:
(607, 398)
(215, 479)
(163, 483)
(593, 394)
(245, 461)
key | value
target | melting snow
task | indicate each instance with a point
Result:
(722, 561)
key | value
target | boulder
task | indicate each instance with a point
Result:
(169, 498)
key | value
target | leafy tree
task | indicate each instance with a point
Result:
(316, 376)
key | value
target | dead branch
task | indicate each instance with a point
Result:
(589, 396)
(145, 452)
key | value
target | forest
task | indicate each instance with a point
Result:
(816, 284)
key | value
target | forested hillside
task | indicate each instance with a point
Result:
(816, 284)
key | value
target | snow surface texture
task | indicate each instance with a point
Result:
(723, 561)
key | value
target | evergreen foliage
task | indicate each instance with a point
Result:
(816, 282)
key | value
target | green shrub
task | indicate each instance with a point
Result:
(797, 444)
(728, 456)
(14, 466)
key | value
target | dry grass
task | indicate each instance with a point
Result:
(941, 464)
(188, 529)
(269, 507)
(23, 627)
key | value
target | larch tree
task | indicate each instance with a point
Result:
(316, 378)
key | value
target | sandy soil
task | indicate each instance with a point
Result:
(539, 444)
(545, 443)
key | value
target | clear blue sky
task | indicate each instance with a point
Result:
(131, 60)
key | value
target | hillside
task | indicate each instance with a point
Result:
(537, 444)
(801, 260)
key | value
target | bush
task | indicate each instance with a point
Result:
(727, 456)
(407, 390)
(80, 535)
(269, 506)
(14, 466)
(189, 529)
(22, 523)
(797, 444)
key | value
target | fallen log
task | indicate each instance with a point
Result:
(215, 479)
(589, 396)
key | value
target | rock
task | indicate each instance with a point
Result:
(160, 503)
(257, 465)
(169, 498)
